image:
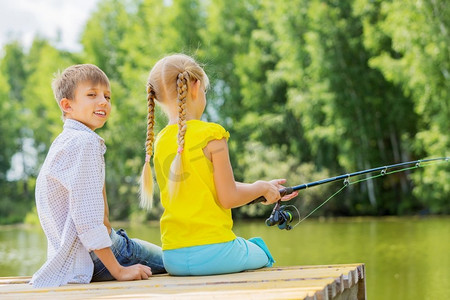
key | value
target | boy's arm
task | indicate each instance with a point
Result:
(135, 272)
(85, 182)
(89, 211)
(121, 273)
(106, 214)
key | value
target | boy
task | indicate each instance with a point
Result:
(71, 198)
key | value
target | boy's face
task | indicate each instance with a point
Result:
(91, 106)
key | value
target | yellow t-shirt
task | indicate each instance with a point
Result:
(192, 215)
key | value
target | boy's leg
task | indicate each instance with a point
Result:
(148, 254)
(129, 252)
(101, 273)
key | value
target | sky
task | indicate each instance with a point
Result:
(24, 19)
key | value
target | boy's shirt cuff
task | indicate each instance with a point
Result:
(96, 238)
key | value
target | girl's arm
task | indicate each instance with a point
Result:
(234, 194)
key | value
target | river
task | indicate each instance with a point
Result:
(405, 258)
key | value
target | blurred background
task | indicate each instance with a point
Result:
(308, 89)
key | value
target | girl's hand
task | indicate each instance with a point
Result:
(269, 191)
(278, 183)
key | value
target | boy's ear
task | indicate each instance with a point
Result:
(195, 88)
(65, 105)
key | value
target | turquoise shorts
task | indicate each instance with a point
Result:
(231, 257)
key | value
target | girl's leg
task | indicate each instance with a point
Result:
(260, 243)
(235, 256)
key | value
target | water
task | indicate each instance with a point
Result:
(406, 258)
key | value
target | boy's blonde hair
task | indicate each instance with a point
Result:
(169, 80)
(64, 84)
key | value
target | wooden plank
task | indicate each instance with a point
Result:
(166, 283)
(290, 293)
(275, 275)
(14, 280)
(362, 291)
(299, 282)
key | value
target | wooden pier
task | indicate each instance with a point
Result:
(326, 282)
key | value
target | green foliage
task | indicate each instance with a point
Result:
(9, 142)
(262, 162)
(184, 20)
(307, 88)
(418, 60)
(16, 196)
(32, 217)
(40, 106)
(13, 67)
(15, 201)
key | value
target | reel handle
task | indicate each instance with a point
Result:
(283, 192)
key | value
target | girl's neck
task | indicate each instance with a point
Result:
(174, 119)
(194, 110)
(190, 115)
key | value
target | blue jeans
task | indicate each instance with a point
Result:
(230, 257)
(129, 252)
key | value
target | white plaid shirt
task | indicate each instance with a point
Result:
(70, 204)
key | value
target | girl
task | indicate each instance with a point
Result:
(196, 180)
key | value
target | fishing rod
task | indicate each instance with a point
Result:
(281, 216)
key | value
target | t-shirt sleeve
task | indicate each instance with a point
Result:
(211, 132)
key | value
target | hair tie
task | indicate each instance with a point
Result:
(147, 158)
(180, 149)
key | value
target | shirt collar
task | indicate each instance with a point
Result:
(76, 125)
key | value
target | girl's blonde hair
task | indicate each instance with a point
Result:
(169, 80)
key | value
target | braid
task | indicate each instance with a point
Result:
(147, 177)
(150, 121)
(177, 174)
(182, 90)
(170, 80)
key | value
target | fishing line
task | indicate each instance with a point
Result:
(298, 212)
(318, 207)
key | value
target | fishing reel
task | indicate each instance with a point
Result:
(280, 216)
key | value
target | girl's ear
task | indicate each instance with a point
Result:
(65, 105)
(195, 88)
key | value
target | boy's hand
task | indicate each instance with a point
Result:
(134, 272)
(121, 273)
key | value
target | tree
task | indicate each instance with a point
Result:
(44, 118)
(416, 57)
(15, 197)
(14, 69)
(181, 31)
(9, 138)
